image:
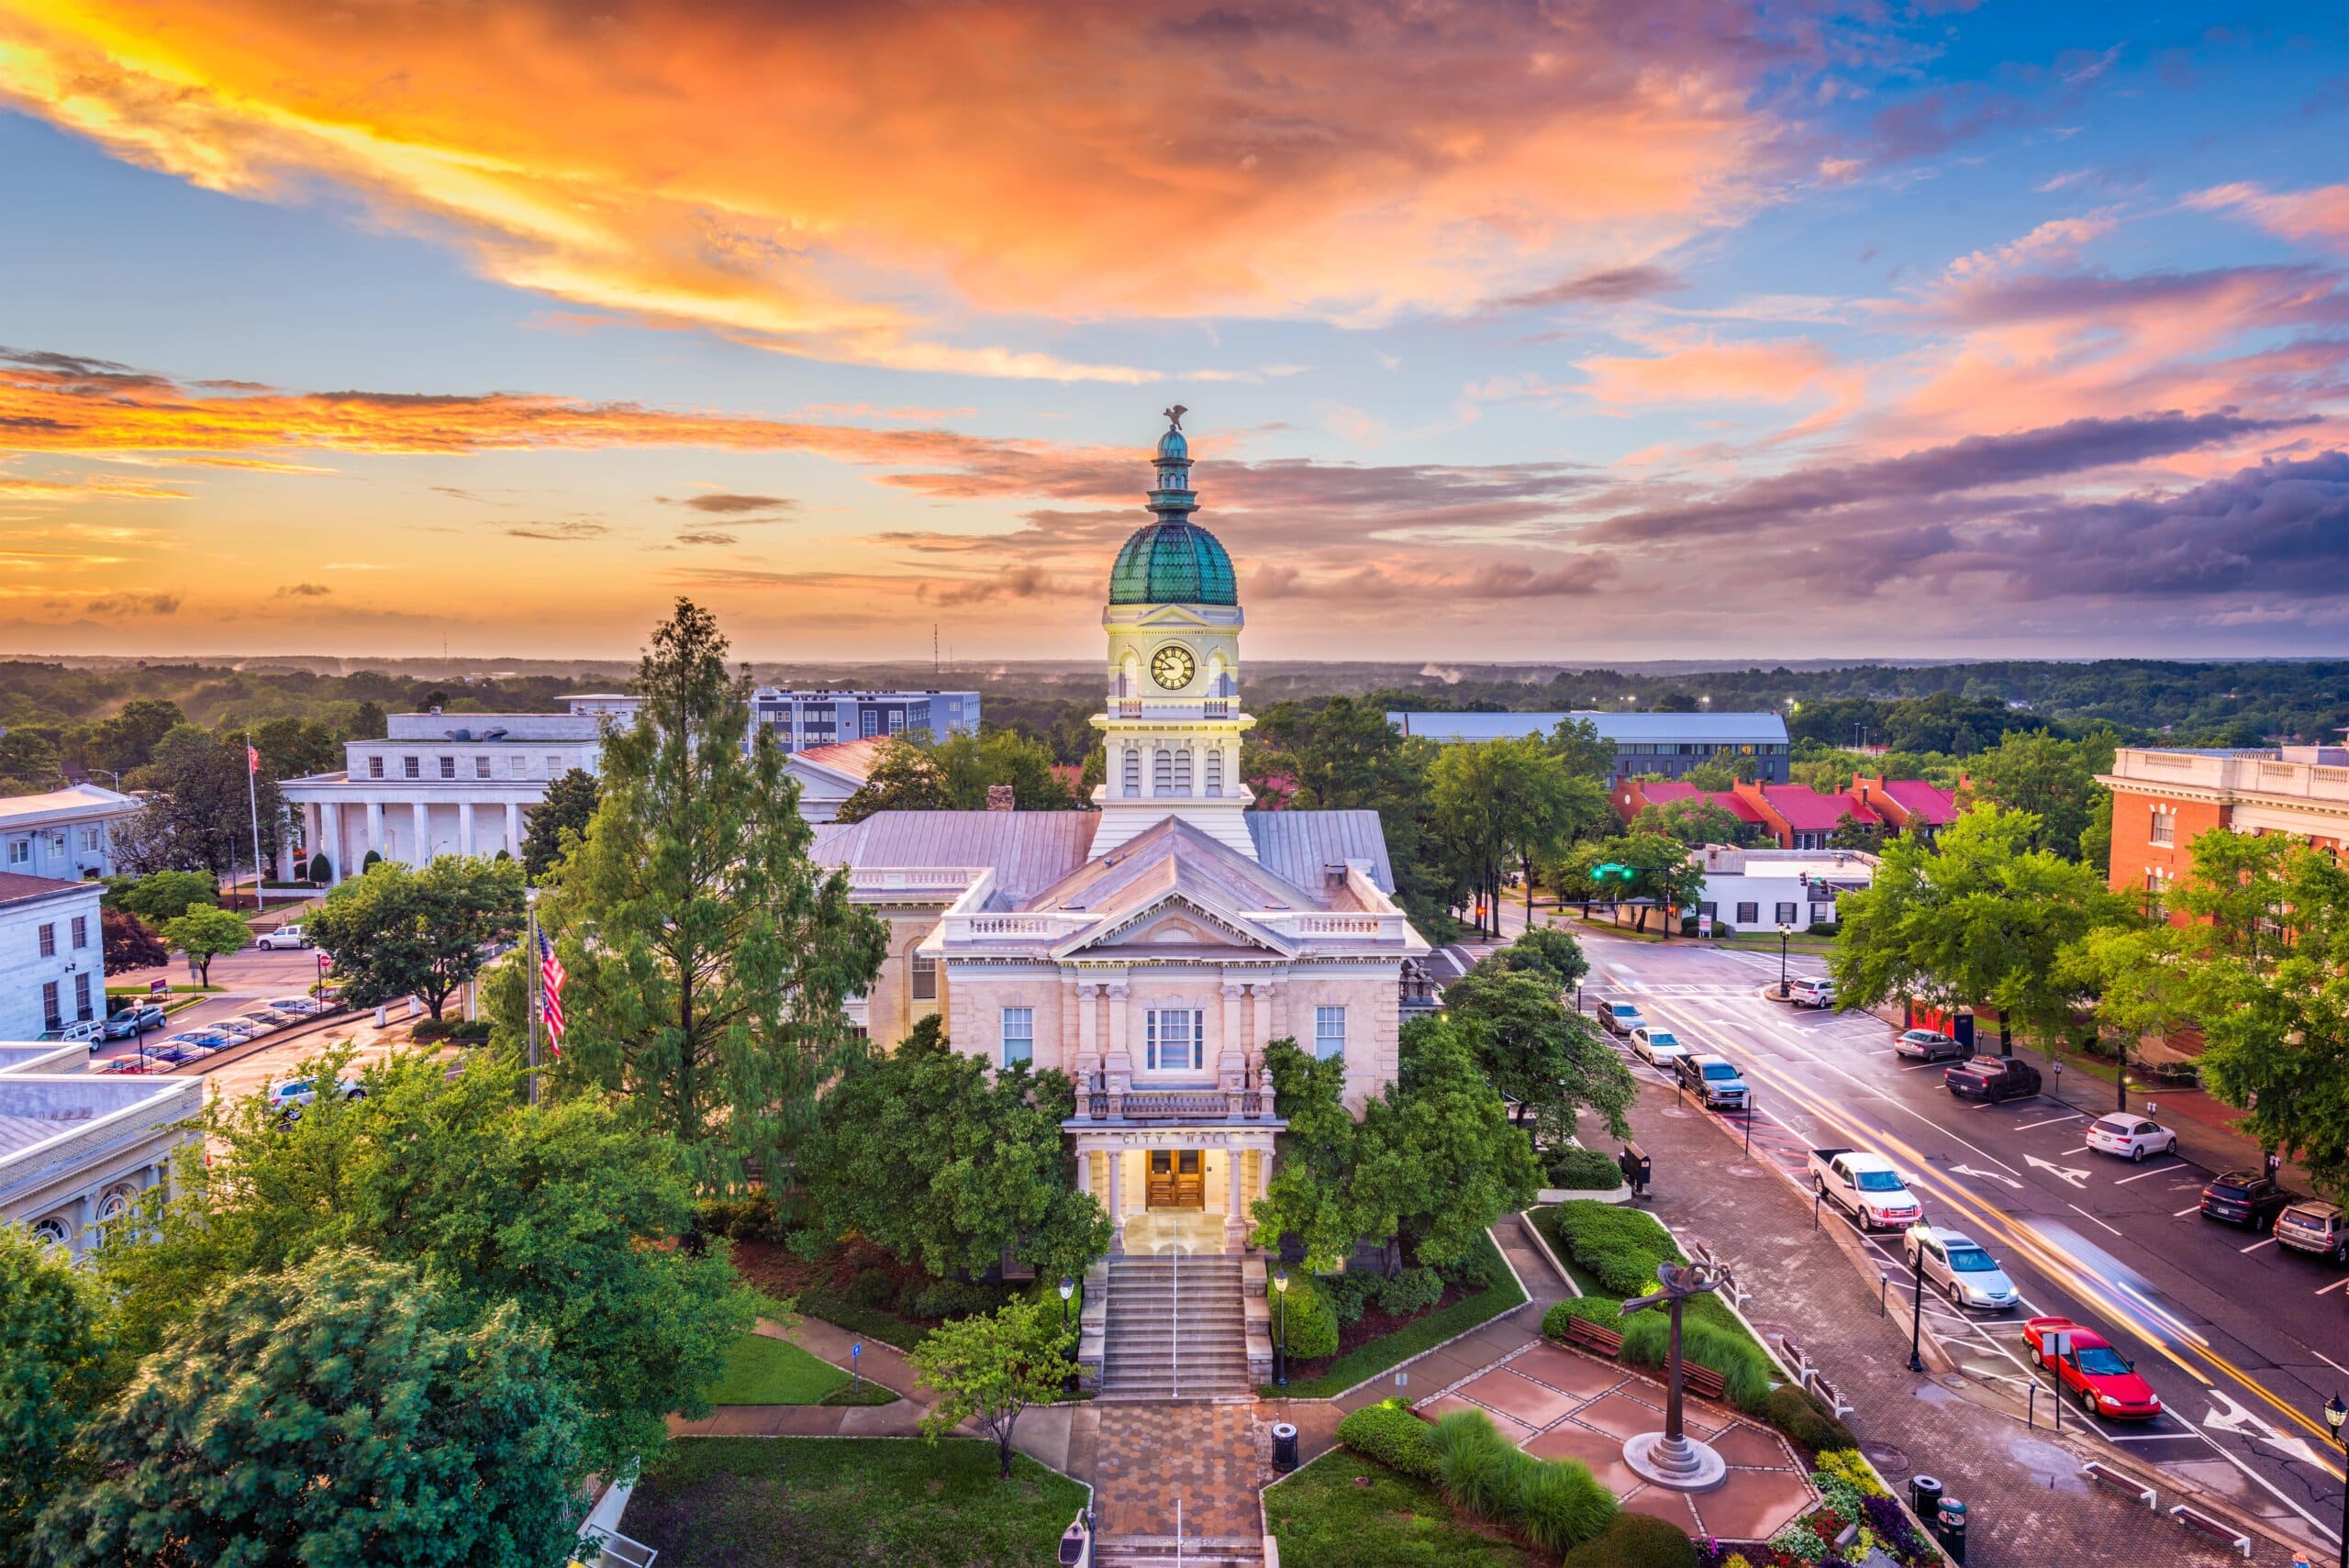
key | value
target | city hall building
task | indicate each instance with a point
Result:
(1152, 948)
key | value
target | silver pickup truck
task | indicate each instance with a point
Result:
(1865, 1186)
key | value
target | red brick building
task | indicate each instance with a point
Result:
(1799, 817)
(2163, 799)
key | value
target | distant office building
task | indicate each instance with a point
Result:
(1665, 743)
(800, 720)
(2163, 797)
(66, 833)
(52, 955)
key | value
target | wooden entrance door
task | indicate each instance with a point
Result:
(1175, 1179)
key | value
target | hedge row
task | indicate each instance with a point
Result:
(1390, 1434)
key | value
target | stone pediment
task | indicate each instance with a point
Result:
(1174, 920)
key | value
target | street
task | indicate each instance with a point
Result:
(251, 976)
(2233, 1331)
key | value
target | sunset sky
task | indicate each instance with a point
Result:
(1560, 332)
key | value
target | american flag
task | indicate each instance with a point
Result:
(550, 978)
(252, 759)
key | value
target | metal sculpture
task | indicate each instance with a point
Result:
(1671, 1457)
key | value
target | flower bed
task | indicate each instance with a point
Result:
(1483, 1287)
(1856, 1516)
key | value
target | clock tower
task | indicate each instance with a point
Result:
(1172, 722)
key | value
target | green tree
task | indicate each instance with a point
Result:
(204, 934)
(2276, 1047)
(1710, 776)
(2095, 839)
(163, 894)
(343, 1414)
(2053, 779)
(1662, 872)
(990, 1367)
(369, 722)
(945, 1161)
(1511, 801)
(30, 761)
(904, 777)
(559, 1210)
(1545, 951)
(127, 740)
(708, 956)
(1550, 1061)
(2145, 978)
(1308, 1196)
(293, 748)
(1694, 822)
(200, 816)
(1851, 833)
(129, 942)
(398, 931)
(1437, 1158)
(53, 1374)
(569, 808)
(1586, 754)
(1977, 917)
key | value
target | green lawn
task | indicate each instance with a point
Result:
(815, 1502)
(760, 1370)
(1325, 1519)
(1367, 1360)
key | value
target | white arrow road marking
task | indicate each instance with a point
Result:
(1986, 1175)
(2230, 1417)
(2077, 1178)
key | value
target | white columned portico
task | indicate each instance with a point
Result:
(465, 828)
(423, 849)
(514, 828)
(375, 829)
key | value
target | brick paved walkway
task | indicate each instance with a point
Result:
(2029, 1506)
(1215, 1457)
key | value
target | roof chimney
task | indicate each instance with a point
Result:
(999, 798)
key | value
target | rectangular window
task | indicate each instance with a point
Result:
(481, 767)
(20, 851)
(49, 941)
(869, 721)
(412, 767)
(374, 767)
(519, 766)
(1215, 774)
(2164, 829)
(1132, 773)
(1329, 1032)
(82, 998)
(1748, 913)
(93, 838)
(1710, 910)
(925, 978)
(50, 1017)
(81, 930)
(1786, 913)
(555, 769)
(1018, 1035)
(1176, 1040)
(57, 843)
(1182, 773)
(447, 767)
(897, 721)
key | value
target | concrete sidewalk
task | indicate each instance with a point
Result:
(2029, 1503)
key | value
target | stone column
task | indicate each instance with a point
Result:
(1068, 1062)
(1235, 1219)
(1232, 1047)
(423, 851)
(1117, 1201)
(514, 828)
(465, 828)
(375, 829)
(1088, 1026)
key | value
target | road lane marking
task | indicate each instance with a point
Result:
(2076, 1208)
(2140, 1176)
(2336, 1284)
(2330, 1361)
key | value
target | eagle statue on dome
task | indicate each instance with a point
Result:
(1175, 415)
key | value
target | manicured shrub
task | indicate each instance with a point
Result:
(1412, 1291)
(1390, 1434)
(1636, 1541)
(1312, 1318)
(954, 1298)
(1475, 1466)
(1647, 1339)
(1584, 1170)
(1599, 1309)
(871, 1288)
(1558, 1504)
(1350, 1293)
(1803, 1418)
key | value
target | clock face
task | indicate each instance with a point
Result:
(1172, 667)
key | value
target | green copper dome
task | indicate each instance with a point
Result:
(1173, 563)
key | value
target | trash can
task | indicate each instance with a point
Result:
(1949, 1527)
(1634, 1164)
(1925, 1499)
(1283, 1447)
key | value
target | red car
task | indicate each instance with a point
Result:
(2105, 1381)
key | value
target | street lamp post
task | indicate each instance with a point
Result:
(1917, 1314)
(1280, 1346)
(2335, 1414)
(1786, 935)
(1067, 1289)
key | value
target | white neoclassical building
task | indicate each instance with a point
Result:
(75, 1150)
(65, 833)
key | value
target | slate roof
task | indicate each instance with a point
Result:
(1029, 850)
(1171, 856)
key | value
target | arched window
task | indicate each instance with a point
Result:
(1162, 771)
(51, 1232)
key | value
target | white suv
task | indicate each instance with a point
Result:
(1819, 991)
(2127, 1133)
(283, 936)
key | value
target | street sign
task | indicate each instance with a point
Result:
(159, 988)
(1704, 925)
(325, 963)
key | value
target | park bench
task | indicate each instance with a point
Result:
(2105, 1475)
(1590, 1335)
(2217, 1530)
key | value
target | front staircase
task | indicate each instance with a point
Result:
(1175, 1330)
(1160, 1552)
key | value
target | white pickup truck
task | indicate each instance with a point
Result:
(1865, 1186)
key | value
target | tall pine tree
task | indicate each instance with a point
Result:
(708, 956)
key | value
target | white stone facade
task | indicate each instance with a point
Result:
(52, 955)
(76, 1150)
(64, 833)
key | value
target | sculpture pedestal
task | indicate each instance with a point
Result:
(1683, 1464)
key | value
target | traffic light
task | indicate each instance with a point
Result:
(1610, 872)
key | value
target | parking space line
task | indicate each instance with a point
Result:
(2076, 1208)
(2081, 1149)
(2140, 1176)
(2256, 1246)
(2182, 1213)
(2051, 1121)
(2336, 1284)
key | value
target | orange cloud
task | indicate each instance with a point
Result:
(2320, 214)
(1713, 373)
(836, 181)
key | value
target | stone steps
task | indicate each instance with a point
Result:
(1175, 1329)
(1160, 1551)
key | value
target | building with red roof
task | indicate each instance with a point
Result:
(1910, 805)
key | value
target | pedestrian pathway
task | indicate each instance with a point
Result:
(2029, 1503)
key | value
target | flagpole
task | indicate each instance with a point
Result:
(252, 804)
(530, 901)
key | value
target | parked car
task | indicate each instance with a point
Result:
(288, 1097)
(1958, 1267)
(2315, 1227)
(123, 1065)
(1992, 1078)
(1659, 1047)
(283, 936)
(1621, 1017)
(172, 1053)
(201, 1041)
(2245, 1197)
(263, 1019)
(300, 1007)
(1865, 1186)
(1713, 1079)
(81, 1031)
(1817, 991)
(1929, 1045)
(2127, 1133)
(132, 1022)
(2103, 1380)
